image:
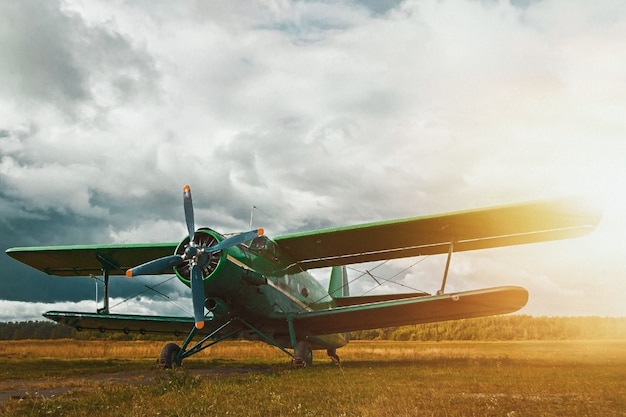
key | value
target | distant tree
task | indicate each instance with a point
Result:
(512, 327)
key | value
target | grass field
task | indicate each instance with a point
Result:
(79, 378)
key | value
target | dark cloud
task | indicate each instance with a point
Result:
(37, 47)
(52, 57)
(22, 283)
(379, 6)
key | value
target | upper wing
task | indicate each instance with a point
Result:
(90, 259)
(428, 235)
(468, 304)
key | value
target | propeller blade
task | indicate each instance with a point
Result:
(188, 205)
(197, 295)
(192, 254)
(156, 266)
(235, 240)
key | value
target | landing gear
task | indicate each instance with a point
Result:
(169, 356)
(303, 355)
(173, 355)
(332, 353)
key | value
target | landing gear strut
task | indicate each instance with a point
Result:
(173, 355)
(332, 353)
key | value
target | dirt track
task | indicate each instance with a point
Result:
(41, 388)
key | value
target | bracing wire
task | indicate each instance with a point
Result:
(386, 280)
(153, 289)
(390, 279)
(269, 216)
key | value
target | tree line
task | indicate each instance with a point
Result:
(511, 327)
(50, 330)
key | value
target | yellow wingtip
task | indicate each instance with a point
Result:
(199, 325)
(129, 273)
(261, 231)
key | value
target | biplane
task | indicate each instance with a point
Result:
(249, 286)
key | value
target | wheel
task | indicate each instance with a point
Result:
(169, 356)
(303, 355)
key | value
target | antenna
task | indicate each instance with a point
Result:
(266, 214)
(251, 214)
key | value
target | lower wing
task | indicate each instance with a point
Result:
(422, 309)
(392, 313)
(127, 323)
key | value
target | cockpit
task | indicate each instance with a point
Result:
(264, 247)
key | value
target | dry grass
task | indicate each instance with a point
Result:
(92, 349)
(356, 350)
(377, 379)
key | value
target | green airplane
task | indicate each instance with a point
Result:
(249, 286)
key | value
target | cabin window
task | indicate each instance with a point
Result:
(265, 247)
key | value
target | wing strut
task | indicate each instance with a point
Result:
(107, 265)
(445, 273)
(105, 296)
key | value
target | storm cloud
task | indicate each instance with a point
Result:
(319, 114)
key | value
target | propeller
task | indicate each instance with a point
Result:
(197, 256)
(188, 206)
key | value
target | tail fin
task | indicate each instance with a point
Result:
(338, 286)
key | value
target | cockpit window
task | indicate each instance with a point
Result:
(265, 247)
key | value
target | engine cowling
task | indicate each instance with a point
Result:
(209, 266)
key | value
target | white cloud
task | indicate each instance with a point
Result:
(320, 114)
(29, 311)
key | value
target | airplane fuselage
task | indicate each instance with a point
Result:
(259, 285)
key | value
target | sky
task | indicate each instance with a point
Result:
(319, 114)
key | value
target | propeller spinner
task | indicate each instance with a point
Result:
(197, 256)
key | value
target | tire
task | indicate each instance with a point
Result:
(169, 356)
(303, 355)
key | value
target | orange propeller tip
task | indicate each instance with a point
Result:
(199, 325)
(129, 273)
(261, 231)
(186, 188)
